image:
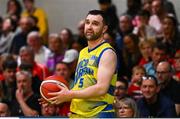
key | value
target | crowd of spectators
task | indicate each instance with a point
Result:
(145, 37)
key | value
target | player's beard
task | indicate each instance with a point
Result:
(94, 36)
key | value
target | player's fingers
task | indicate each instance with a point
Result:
(55, 102)
(52, 99)
(61, 87)
(53, 93)
(41, 100)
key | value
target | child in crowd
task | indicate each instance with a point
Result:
(134, 87)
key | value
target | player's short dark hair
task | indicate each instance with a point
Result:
(104, 1)
(99, 12)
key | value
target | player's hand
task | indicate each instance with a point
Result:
(42, 101)
(61, 96)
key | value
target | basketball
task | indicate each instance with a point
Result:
(51, 84)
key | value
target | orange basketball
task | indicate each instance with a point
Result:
(51, 84)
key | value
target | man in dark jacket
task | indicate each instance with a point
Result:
(153, 104)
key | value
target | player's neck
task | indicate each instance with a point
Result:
(94, 43)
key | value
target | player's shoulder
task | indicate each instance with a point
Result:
(109, 52)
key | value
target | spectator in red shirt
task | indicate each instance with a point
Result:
(27, 56)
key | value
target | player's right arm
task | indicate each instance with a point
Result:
(106, 70)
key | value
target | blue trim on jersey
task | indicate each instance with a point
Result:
(108, 107)
(102, 54)
(89, 50)
(106, 115)
(100, 104)
(111, 90)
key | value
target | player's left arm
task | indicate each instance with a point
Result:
(106, 70)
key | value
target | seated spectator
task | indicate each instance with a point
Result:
(8, 78)
(78, 45)
(49, 110)
(121, 89)
(7, 35)
(125, 27)
(169, 7)
(168, 86)
(110, 38)
(66, 37)
(36, 82)
(4, 109)
(143, 30)
(14, 9)
(134, 87)
(146, 5)
(57, 51)
(158, 14)
(4, 57)
(64, 70)
(131, 53)
(126, 108)
(81, 39)
(19, 40)
(26, 102)
(34, 40)
(154, 104)
(26, 55)
(32, 10)
(145, 48)
(170, 35)
(71, 58)
(158, 54)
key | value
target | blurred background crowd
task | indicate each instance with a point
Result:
(145, 37)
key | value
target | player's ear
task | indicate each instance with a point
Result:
(105, 28)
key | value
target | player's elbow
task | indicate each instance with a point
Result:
(101, 91)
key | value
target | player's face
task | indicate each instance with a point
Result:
(94, 27)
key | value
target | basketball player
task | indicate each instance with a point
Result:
(95, 77)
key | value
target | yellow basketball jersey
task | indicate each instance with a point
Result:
(85, 76)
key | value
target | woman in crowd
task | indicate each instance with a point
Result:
(126, 108)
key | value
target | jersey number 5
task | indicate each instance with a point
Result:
(81, 82)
